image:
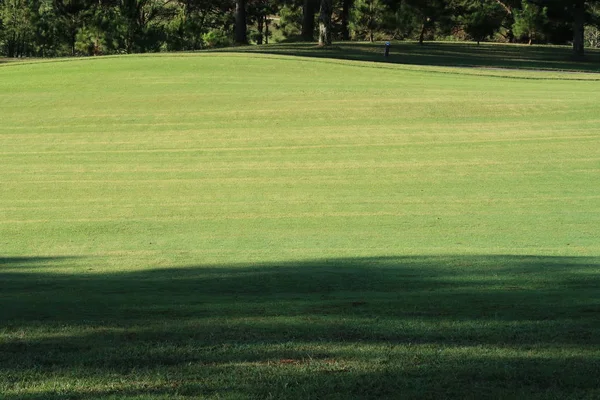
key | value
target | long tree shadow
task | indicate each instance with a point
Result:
(444, 54)
(426, 326)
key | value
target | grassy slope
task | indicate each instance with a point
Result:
(232, 226)
(449, 54)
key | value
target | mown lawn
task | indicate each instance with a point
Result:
(262, 226)
(445, 54)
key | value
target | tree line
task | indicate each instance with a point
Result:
(50, 28)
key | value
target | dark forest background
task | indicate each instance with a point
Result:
(52, 28)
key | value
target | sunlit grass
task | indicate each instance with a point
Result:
(233, 226)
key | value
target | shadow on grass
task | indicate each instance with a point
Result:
(428, 327)
(8, 263)
(445, 54)
(9, 60)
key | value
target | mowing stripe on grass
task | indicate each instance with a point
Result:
(215, 226)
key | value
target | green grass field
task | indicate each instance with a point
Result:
(235, 225)
(453, 54)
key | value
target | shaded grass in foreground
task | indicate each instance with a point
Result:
(428, 327)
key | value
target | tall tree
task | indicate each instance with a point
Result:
(429, 12)
(47, 24)
(346, 7)
(143, 31)
(241, 26)
(368, 16)
(258, 12)
(73, 14)
(325, 24)
(578, 27)
(577, 12)
(309, 9)
(481, 19)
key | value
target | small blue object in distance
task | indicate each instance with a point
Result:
(387, 43)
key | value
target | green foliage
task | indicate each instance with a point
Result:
(368, 19)
(148, 25)
(431, 16)
(592, 31)
(592, 37)
(17, 28)
(290, 22)
(405, 22)
(143, 24)
(258, 15)
(482, 19)
(216, 38)
(47, 30)
(530, 21)
(90, 41)
(186, 23)
(72, 16)
(86, 27)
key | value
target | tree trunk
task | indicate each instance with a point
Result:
(506, 7)
(240, 22)
(578, 28)
(309, 9)
(73, 41)
(260, 24)
(11, 46)
(325, 23)
(346, 6)
(20, 46)
(267, 20)
(423, 29)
